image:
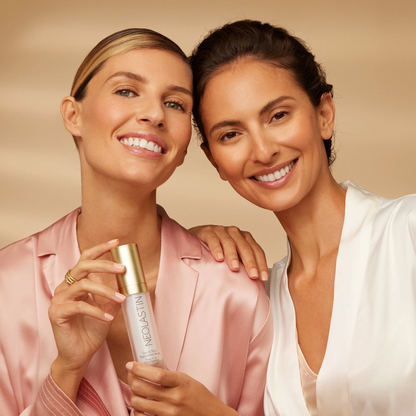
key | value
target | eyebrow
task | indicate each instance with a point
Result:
(131, 75)
(265, 109)
(144, 80)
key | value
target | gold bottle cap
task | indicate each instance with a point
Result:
(133, 280)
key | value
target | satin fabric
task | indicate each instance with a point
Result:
(369, 368)
(214, 325)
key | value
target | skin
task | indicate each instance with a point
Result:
(258, 120)
(146, 93)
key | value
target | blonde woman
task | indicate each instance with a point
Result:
(129, 113)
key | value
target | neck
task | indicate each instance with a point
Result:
(315, 224)
(123, 211)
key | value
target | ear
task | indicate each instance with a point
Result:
(71, 115)
(326, 116)
(208, 154)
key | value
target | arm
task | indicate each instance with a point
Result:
(234, 244)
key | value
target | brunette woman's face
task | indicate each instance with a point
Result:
(134, 124)
(264, 135)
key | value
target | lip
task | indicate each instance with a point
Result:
(278, 182)
(148, 137)
(274, 168)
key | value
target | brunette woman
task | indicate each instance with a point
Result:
(344, 298)
(129, 113)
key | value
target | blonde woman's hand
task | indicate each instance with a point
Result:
(234, 244)
(169, 393)
(80, 325)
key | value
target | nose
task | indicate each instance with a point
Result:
(263, 147)
(151, 111)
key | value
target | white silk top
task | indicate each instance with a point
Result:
(369, 368)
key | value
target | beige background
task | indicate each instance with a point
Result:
(367, 47)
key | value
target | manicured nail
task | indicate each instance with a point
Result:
(112, 241)
(118, 266)
(109, 317)
(120, 296)
(264, 276)
(220, 256)
(253, 273)
(129, 366)
(235, 264)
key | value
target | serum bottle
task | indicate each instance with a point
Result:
(137, 308)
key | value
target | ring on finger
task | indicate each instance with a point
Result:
(69, 279)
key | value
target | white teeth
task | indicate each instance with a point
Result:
(150, 146)
(142, 144)
(275, 175)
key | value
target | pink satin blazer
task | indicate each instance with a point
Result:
(214, 325)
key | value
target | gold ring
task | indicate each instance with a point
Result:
(69, 279)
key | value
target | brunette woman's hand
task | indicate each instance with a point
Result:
(234, 244)
(169, 393)
(80, 325)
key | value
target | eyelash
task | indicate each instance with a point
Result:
(225, 138)
(176, 103)
(279, 115)
(128, 90)
(134, 94)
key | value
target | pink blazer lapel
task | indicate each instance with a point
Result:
(58, 249)
(175, 288)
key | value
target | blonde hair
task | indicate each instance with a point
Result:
(119, 42)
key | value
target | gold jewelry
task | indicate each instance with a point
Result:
(69, 279)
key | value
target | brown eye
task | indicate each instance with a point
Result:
(279, 115)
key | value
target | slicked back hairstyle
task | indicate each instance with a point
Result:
(263, 42)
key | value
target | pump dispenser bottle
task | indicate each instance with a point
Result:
(137, 308)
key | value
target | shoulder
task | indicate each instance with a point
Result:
(214, 277)
(22, 257)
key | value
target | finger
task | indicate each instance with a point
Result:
(260, 257)
(98, 250)
(208, 234)
(62, 313)
(84, 287)
(155, 375)
(84, 267)
(144, 388)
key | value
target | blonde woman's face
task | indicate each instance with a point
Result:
(134, 123)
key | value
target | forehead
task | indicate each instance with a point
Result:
(249, 74)
(245, 85)
(155, 63)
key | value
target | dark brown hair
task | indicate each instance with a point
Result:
(262, 41)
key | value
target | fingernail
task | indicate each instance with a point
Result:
(120, 296)
(264, 276)
(118, 266)
(112, 241)
(253, 272)
(220, 256)
(129, 366)
(109, 317)
(235, 264)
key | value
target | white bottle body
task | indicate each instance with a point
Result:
(141, 328)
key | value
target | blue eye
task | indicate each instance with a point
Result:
(175, 105)
(125, 92)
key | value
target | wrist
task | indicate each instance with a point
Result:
(68, 380)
